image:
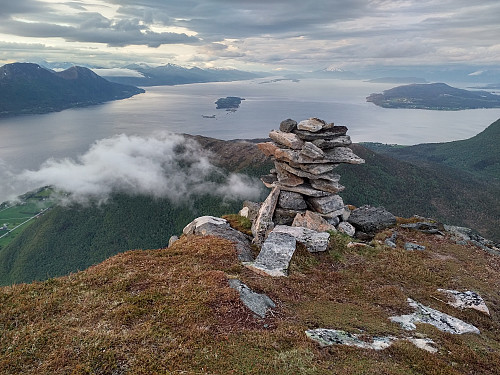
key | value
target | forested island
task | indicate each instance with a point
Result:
(228, 103)
(434, 96)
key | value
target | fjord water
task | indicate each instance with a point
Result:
(27, 141)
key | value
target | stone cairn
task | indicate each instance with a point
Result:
(304, 188)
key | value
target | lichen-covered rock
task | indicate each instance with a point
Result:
(327, 337)
(466, 300)
(312, 151)
(410, 246)
(345, 227)
(343, 155)
(312, 125)
(441, 321)
(275, 255)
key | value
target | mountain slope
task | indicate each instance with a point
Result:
(172, 311)
(171, 74)
(66, 240)
(28, 88)
(479, 155)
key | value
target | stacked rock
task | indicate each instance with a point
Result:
(304, 183)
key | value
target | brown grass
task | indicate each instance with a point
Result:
(171, 311)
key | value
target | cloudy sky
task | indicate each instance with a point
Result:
(252, 34)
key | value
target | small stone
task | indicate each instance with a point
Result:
(288, 125)
(313, 221)
(341, 141)
(410, 246)
(343, 155)
(291, 201)
(327, 204)
(312, 151)
(287, 139)
(311, 125)
(283, 216)
(172, 240)
(258, 303)
(269, 180)
(345, 227)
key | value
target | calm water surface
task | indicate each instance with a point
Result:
(27, 141)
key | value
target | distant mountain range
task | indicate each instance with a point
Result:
(172, 74)
(27, 88)
(435, 96)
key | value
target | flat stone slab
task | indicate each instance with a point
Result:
(466, 300)
(258, 303)
(312, 240)
(314, 125)
(327, 186)
(290, 140)
(329, 176)
(315, 169)
(331, 133)
(310, 150)
(312, 220)
(327, 204)
(327, 337)
(441, 321)
(341, 141)
(275, 254)
(216, 226)
(343, 155)
(304, 189)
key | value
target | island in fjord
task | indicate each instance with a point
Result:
(434, 96)
(229, 103)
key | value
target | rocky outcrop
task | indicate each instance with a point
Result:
(466, 300)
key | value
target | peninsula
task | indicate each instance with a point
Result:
(434, 96)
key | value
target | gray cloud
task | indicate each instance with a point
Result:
(165, 165)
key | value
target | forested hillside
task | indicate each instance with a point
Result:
(479, 155)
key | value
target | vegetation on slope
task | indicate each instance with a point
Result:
(479, 155)
(68, 239)
(28, 88)
(172, 311)
(436, 96)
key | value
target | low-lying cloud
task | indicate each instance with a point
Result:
(160, 166)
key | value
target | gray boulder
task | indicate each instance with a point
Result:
(216, 226)
(312, 240)
(369, 220)
(288, 125)
(325, 205)
(258, 303)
